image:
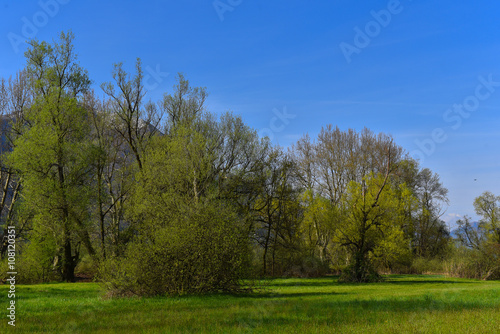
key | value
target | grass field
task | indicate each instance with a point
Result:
(401, 304)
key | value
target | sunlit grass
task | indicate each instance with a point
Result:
(401, 304)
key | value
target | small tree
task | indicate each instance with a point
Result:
(476, 255)
(488, 207)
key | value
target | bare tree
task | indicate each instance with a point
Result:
(184, 105)
(136, 121)
(15, 101)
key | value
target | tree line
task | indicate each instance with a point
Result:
(167, 197)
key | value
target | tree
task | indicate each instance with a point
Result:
(370, 223)
(53, 151)
(190, 240)
(185, 104)
(15, 100)
(135, 121)
(479, 254)
(277, 212)
(358, 174)
(488, 207)
(113, 177)
(431, 235)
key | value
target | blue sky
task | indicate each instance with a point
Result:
(426, 72)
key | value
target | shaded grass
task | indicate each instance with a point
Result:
(401, 304)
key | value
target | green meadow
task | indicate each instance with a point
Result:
(400, 304)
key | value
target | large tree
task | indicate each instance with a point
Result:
(53, 151)
(357, 174)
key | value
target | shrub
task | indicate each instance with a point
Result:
(422, 265)
(34, 261)
(86, 267)
(201, 252)
(475, 263)
(360, 270)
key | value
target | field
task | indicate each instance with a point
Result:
(401, 304)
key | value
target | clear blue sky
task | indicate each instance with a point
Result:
(406, 68)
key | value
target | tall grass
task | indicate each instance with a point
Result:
(401, 304)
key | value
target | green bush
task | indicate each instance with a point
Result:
(86, 267)
(202, 251)
(360, 271)
(33, 264)
(422, 265)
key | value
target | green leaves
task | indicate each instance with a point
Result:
(488, 207)
(54, 153)
(199, 250)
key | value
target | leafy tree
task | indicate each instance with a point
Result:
(369, 226)
(191, 238)
(53, 152)
(359, 174)
(481, 241)
(488, 207)
(318, 226)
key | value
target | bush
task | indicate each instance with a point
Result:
(86, 268)
(34, 262)
(360, 271)
(422, 265)
(473, 263)
(201, 252)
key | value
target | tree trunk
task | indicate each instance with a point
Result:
(68, 270)
(266, 247)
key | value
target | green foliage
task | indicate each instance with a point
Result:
(360, 271)
(371, 227)
(488, 207)
(421, 265)
(320, 221)
(35, 259)
(471, 263)
(179, 204)
(36, 263)
(202, 250)
(478, 253)
(53, 154)
(87, 267)
(187, 238)
(392, 251)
